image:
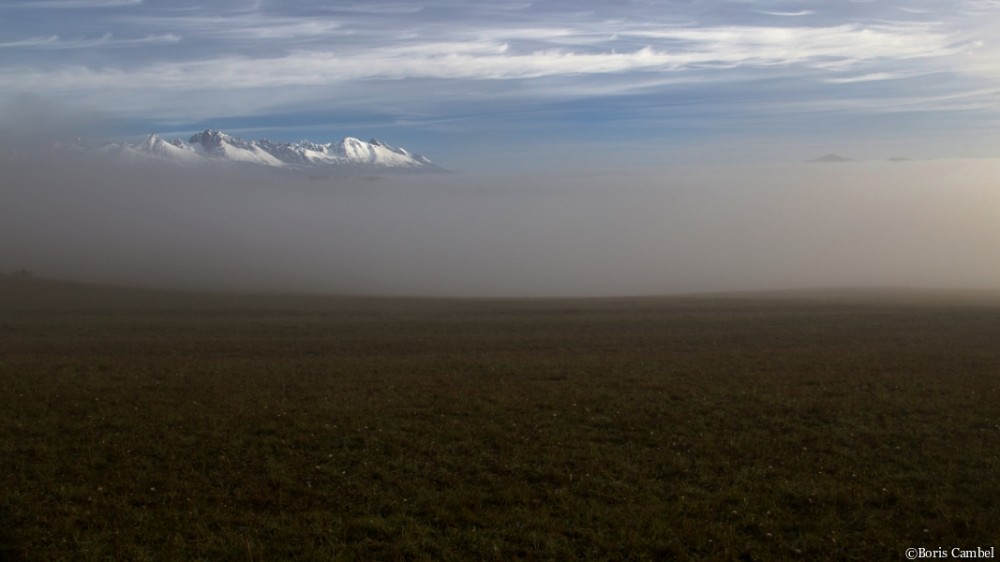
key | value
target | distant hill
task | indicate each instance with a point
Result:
(831, 159)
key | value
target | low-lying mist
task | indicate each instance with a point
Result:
(679, 229)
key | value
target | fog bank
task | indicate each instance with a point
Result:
(677, 229)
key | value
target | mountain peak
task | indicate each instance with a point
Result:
(151, 140)
(210, 138)
(215, 146)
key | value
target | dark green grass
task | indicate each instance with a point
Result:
(143, 425)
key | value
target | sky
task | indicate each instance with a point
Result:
(529, 84)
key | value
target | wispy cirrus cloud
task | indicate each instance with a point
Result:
(798, 13)
(244, 26)
(866, 78)
(106, 40)
(32, 42)
(72, 3)
(495, 59)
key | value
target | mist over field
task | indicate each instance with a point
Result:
(583, 233)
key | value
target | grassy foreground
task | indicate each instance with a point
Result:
(144, 425)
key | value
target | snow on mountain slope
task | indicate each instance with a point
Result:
(216, 146)
(151, 147)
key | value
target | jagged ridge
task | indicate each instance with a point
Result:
(216, 146)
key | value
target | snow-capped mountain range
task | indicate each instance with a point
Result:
(211, 146)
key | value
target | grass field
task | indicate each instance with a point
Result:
(146, 425)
